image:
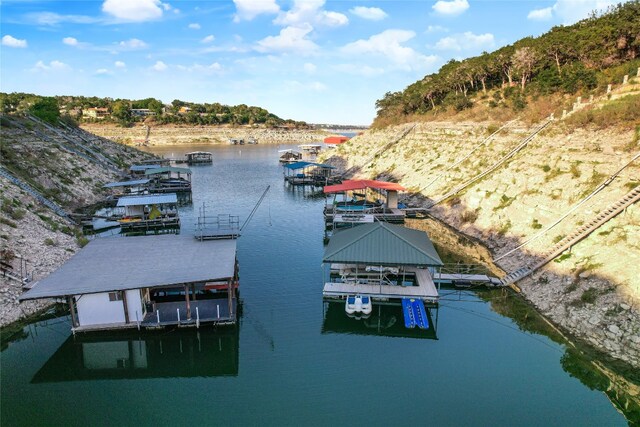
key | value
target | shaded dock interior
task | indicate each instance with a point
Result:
(210, 352)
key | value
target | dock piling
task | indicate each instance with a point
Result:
(218, 310)
(178, 311)
(197, 318)
(137, 320)
(158, 315)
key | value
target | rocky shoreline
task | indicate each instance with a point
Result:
(202, 135)
(590, 291)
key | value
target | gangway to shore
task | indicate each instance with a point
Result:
(465, 275)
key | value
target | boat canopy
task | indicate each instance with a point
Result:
(381, 243)
(363, 184)
(158, 171)
(107, 265)
(140, 168)
(148, 199)
(131, 183)
(303, 165)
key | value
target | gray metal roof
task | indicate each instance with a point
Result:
(143, 167)
(127, 183)
(380, 243)
(119, 263)
(148, 199)
(166, 169)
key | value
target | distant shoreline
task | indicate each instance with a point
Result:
(203, 135)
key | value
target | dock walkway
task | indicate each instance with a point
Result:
(425, 289)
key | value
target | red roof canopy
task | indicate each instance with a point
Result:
(361, 184)
(335, 139)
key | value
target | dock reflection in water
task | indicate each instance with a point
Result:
(206, 352)
(385, 320)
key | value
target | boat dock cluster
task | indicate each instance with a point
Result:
(154, 281)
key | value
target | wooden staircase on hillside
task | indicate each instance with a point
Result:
(36, 194)
(579, 234)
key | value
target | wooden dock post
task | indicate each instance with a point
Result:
(178, 311)
(197, 318)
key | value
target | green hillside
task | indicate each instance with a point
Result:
(533, 75)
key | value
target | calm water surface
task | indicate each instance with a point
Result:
(293, 360)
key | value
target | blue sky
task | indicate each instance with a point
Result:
(312, 60)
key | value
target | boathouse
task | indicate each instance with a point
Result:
(385, 261)
(134, 186)
(334, 140)
(146, 282)
(199, 158)
(289, 156)
(139, 170)
(170, 180)
(362, 201)
(308, 173)
(147, 212)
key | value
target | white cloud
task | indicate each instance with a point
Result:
(54, 65)
(159, 66)
(120, 64)
(194, 26)
(135, 11)
(13, 42)
(51, 18)
(102, 71)
(246, 10)
(453, 7)
(436, 29)
(466, 41)
(570, 11)
(290, 39)
(310, 68)
(370, 13)
(310, 12)
(541, 14)
(208, 39)
(71, 41)
(389, 45)
(132, 44)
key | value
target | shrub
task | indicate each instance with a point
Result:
(49, 242)
(535, 224)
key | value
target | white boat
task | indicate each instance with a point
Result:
(350, 304)
(365, 304)
(358, 304)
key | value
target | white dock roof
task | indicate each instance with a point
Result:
(150, 199)
(120, 263)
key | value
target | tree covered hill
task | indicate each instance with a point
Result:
(125, 112)
(574, 59)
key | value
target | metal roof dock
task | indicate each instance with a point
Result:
(136, 262)
(382, 260)
(148, 199)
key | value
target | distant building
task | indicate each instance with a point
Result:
(142, 112)
(95, 113)
(184, 110)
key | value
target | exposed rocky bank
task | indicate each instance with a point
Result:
(185, 134)
(66, 174)
(593, 290)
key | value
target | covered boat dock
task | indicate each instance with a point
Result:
(146, 281)
(308, 173)
(385, 261)
(362, 201)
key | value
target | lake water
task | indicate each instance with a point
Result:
(293, 360)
